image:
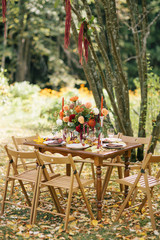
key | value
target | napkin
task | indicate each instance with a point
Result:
(39, 140)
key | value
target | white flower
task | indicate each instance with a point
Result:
(96, 111)
(59, 122)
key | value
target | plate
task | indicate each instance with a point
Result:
(111, 140)
(53, 143)
(114, 145)
(77, 146)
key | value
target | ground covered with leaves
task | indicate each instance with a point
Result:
(14, 224)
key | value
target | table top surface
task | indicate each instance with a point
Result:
(101, 154)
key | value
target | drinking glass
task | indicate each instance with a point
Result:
(111, 133)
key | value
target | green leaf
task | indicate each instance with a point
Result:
(92, 19)
(89, 32)
(56, 3)
(97, 125)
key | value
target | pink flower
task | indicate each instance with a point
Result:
(104, 111)
(66, 108)
(81, 119)
(66, 119)
(71, 106)
(88, 105)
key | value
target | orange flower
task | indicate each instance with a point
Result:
(78, 109)
(88, 105)
(66, 107)
(92, 122)
(61, 114)
(81, 119)
(66, 119)
(104, 111)
(74, 99)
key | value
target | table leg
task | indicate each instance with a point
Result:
(99, 192)
(68, 169)
(126, 171)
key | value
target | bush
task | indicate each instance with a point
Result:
(23, 90)
(4, 88)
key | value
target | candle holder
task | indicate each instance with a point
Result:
(101, 119)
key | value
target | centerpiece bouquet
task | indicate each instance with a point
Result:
(79, 117)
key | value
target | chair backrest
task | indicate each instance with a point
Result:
(44, 158)
(13, 156)
(146, 141)
(18, 141)
(118, 135)
(156, 159)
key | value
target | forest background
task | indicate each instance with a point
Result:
(123, 56)
(37, 71)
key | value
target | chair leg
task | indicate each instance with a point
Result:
(149, 202)
(120, 175)
(4, 196)
(81, 168)
(35, 199)
(142, 204)
(93, 174)
(61, 193)
(106, 180)
(125, 203)
(86, 201)
(25, 193)
(69, 204)
(51, 169)
(134, 195)
(84, 196)
(12, 188)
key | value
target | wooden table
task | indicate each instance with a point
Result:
(98, 162)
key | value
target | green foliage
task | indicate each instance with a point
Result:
(24, 90)
(4, 88)
(153, 102)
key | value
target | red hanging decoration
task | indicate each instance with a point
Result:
(67, 23)
(4, 7)
(86, 44)
(80, 40)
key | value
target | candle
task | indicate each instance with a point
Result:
(62, 104)
(101, 105)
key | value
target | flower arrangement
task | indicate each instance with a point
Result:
(80, 117)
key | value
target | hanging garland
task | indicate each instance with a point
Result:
(67, 23)
(4, 7)
(82, 39)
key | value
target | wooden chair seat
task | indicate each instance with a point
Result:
(152, 181)
(30, 176)
(65, 182)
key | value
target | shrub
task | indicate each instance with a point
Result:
(24, 90)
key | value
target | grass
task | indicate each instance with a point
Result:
(14, 224)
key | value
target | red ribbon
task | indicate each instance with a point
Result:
(67, 23)
(80, 40)
(86, 44)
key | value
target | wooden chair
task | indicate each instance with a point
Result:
(19, 145)
(71, 183)
(28, 176)
(117, 162)
(145, 183)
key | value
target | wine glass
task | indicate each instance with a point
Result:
(111, 133)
